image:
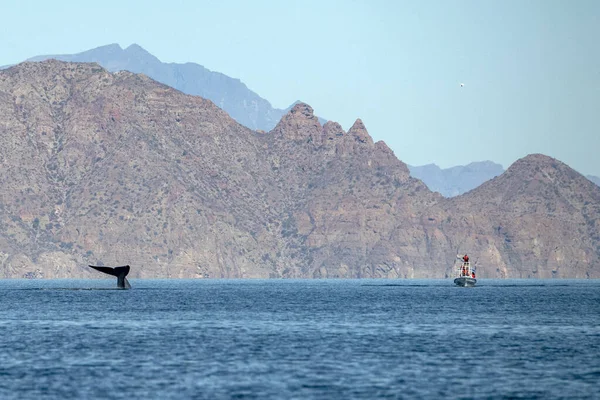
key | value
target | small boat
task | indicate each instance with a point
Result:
(465, 275)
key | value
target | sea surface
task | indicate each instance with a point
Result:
(299, 339)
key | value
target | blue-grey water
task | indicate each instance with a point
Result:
(302, 339)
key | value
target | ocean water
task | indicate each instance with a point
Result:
(299, 339)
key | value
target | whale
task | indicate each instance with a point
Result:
(119, 272)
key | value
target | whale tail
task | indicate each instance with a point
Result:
(119, 272)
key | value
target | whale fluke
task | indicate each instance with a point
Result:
(119, 272)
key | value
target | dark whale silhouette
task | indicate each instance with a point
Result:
(119, 272)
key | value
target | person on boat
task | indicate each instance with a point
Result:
(473, 274)
(465, 258)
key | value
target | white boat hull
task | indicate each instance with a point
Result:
(465, 281)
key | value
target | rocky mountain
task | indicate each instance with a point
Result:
(241, 103)
(115, 168)
(457, 180)
(539, 219)
(254, 112)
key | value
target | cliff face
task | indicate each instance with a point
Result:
(118, 169)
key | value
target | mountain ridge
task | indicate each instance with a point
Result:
(230, 94)
(110, 168)
(252, 111)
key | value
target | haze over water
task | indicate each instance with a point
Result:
(322, 339)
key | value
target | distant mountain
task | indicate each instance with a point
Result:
(233, 96)
(454, 181)
(450, 182)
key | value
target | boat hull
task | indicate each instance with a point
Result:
(465, 281)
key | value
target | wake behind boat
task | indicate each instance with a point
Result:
(465, 275)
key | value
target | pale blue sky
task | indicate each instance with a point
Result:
(531, 68)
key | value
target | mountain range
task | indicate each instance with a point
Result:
(115, 168)
(460, 179)
(457, 180)
(230, 94)
(256, 113)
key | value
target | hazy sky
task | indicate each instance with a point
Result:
(531, 69)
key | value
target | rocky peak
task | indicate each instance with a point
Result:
(538, 169)
(359, 132)
(141, 54)
(304, 110)
(299, 124)
(532, 160)
(331, 130)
